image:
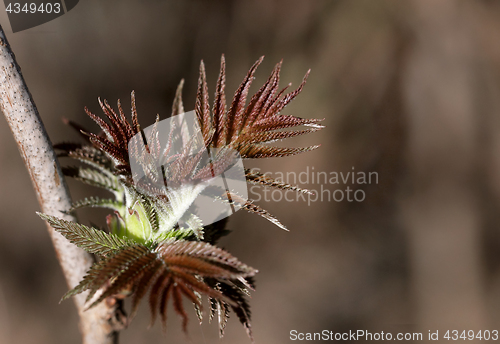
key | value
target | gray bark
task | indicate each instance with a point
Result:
(37, 152)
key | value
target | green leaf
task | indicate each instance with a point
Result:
(150, 212)
(93, 177)
(91, 240)
(96, 202)
(92, 157)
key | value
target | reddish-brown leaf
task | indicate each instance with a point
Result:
(219, 107)
(237, 108)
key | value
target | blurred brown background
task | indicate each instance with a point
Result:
(409, 89)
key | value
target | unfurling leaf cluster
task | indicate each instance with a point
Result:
(145, 248)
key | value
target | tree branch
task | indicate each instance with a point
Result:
(36, 149)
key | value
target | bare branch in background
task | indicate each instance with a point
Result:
(51, 190)
(442, 213)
